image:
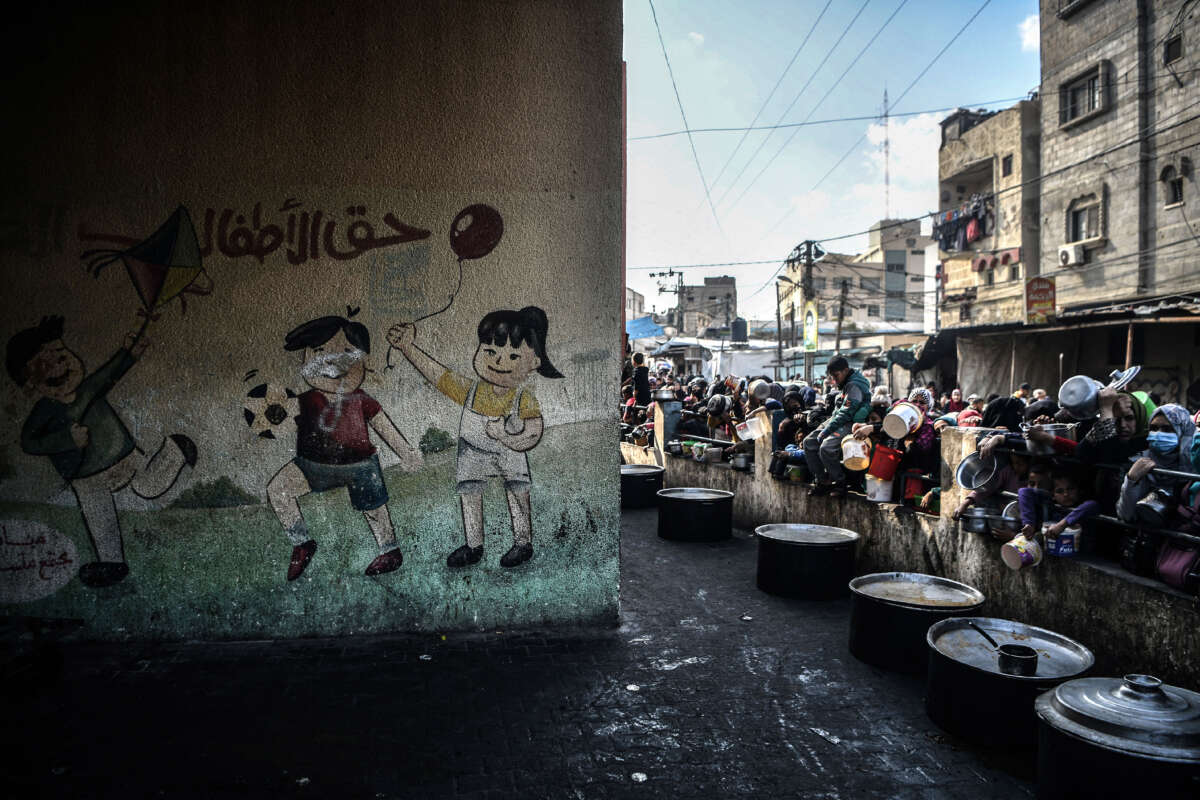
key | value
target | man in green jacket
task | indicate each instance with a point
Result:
(823, 447)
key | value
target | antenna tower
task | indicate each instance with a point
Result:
(887, 164)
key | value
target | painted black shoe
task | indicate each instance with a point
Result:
(187, 447)
(837, 489)
(517, 554)
(820, 489)
(99, 574)
(464, 556)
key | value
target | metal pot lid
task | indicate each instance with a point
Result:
(640, 469)
(1121, 378)
(1058, 657)
(915, 590)
(692, 493)
(1139, 715)
(1077, 390)
(802, 533)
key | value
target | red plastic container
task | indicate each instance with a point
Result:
(884, 462)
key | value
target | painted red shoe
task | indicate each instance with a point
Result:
(385, 562)
(301, 555)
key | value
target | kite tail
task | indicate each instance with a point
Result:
(99, 258)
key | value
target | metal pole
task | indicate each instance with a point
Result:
(1129, 345)
(837, 339)
(806, 287)
(778, 332)
(1012, 366)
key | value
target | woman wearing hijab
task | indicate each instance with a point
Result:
(1004, 412)
(1169, 441)
(1120, 432)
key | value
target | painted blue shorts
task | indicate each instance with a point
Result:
(363, 479)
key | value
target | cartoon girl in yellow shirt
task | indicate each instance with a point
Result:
(501, 420)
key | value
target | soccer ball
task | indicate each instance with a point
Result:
(271, 410)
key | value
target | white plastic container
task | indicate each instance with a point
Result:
(879, 491)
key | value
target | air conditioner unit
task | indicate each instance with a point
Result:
(1070, 255)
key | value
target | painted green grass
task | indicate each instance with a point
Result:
(219, 573)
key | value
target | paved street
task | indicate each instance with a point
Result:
(709, 689)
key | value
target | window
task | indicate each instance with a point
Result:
(1172, 183)
(1173, 49)
(1083, 97)
(1014, 272)
(821, 308)
(895, 267)
(819, 284)
(1068, 7)
(917, 252)
(844, 283)
(869, 283)
(989, 277)
(1084, 223)
(872, 311)
(964, 313)
(1006, 166)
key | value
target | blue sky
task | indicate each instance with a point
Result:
(726, 58)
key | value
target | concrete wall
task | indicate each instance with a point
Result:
(324, 155)
(1131, 624)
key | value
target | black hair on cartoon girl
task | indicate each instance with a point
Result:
(515, 328)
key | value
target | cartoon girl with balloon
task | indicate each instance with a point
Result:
(501, 420)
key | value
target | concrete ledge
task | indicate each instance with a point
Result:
(1132, 624)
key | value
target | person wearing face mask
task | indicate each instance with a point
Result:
(1169, 445)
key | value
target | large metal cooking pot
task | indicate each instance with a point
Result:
(813, 562)
(1107, 737)
(892, 612)
(640, 484)
(974, 471)
(695, 514)
(968, 693)
(975, 520)
(740, 461)
(664, 395)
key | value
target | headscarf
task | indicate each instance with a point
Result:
(1143, 410)
(969, 417)
(1185, 429)
(1005, 412)
(922, 396)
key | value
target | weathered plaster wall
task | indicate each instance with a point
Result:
(322, 153)
(1131, 624)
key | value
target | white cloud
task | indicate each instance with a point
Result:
(697, 38)
(1030, 33)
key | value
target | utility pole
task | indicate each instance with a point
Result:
(837, 339)
(810, 252)
(677, 290)
(778, 333)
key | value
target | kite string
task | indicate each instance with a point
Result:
(443, 309)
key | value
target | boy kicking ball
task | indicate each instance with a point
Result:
(333, 444)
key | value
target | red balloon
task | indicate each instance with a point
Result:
(475, 231)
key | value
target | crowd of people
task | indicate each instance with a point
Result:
(1135, 461)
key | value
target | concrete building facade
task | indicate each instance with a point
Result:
(712, 304)
(988, 222)
(1119, 128)
(635, 304)
(884, 284)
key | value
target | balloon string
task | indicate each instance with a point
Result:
(443, 309)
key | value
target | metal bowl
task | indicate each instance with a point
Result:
(974, 471)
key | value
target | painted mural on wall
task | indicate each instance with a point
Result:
(389, 471)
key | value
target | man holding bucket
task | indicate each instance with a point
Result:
(823, 447)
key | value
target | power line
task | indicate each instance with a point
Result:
(982, 104)
(682, 114)
(763, 107)
(763, 143)
(829, 91)
(913, 83)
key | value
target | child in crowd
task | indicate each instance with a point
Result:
(1061, 506)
